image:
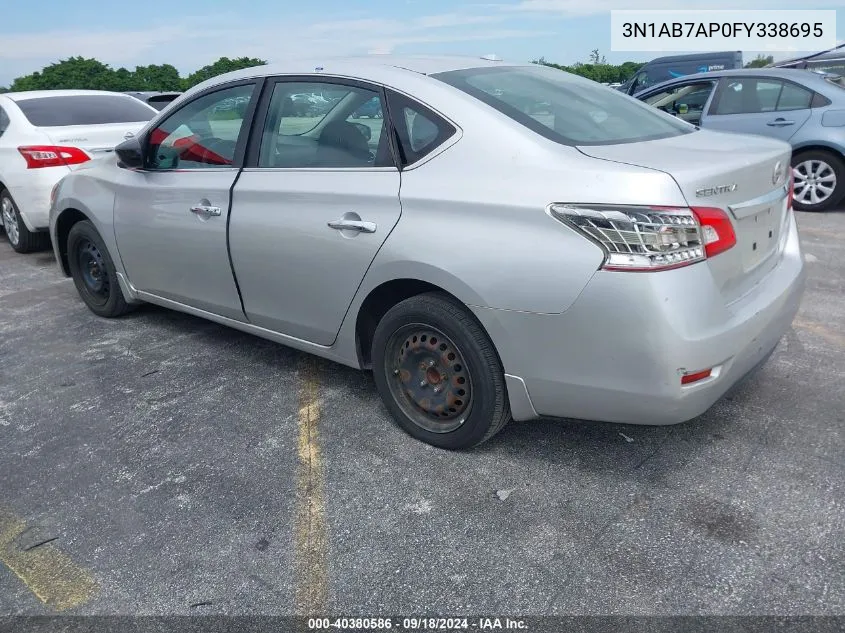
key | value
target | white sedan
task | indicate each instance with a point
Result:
(46, 134)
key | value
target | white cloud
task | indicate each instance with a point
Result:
(196, 41)
(594, 7)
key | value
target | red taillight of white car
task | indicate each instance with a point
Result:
(648, 239)
(38, 156)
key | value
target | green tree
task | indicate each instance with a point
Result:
(164, 78)
(74, 72)
(221, 66)
(760, 61)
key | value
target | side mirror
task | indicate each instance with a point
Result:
(130, 153)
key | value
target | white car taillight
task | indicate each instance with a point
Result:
(636, 238)
(37, 156)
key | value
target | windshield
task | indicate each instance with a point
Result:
(84, 110)
(563, 108)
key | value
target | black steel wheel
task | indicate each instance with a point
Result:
(438, 372)
(93, 271)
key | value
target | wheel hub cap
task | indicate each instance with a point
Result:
(93, 270)
(430, 379)
(815, 182)
(10, 221)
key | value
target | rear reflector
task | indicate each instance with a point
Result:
(695, 377)
(791, 190)
(38, 156)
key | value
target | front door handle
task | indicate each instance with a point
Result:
(354, 225)
(780, 123)
(204, 209)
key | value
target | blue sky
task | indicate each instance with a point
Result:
(191, 33)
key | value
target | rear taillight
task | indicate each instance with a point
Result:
(650, 238)
(791, 196)
(37, 156)
(716, 229)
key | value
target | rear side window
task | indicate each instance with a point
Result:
(419, 130)
(84, 110)
(566, 109)
(4, 121)
(753, 95)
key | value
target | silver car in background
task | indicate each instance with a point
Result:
(508, 241)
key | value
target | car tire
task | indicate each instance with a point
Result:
(438, 372)
(817, 168)
(21, 238)
(93, 271)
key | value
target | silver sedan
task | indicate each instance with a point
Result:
(506, 241)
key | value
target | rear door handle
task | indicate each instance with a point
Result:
(780, 123)
(203, 209)
(354, 225)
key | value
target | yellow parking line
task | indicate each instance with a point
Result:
(310, 537)
(46, 571)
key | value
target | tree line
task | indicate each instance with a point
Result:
(80, 73)
(91, 74)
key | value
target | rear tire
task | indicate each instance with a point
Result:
(21, 238)
(438, 373)
(816, 171)
(93, 271)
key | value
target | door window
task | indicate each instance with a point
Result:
(753, 95)
(203, 134)
(324, 125)
(685, 101)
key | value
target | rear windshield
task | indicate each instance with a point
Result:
(836, 80)
(160, 101)
(563, 108)
(84, 110)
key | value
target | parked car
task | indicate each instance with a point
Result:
(599, 260)
(805, 109)
(47, 134)
(674, 66)
(157, 99)
(369, 109)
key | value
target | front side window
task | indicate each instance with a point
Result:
(94, 109)
(324, 125)
(685, 101)
(563, 108)
(203, 134)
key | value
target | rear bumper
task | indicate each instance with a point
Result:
(618, 353)
(33, 195)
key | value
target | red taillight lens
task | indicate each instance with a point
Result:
(37, 156)
(791, 190)
(716, 229)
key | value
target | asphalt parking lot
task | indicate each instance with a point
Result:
(161, 464)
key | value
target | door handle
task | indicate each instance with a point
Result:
(204, 209)
(354, 225)
(780, 123)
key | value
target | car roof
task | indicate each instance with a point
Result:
(807, 78)
(39, 94)
(366, 67)
(836, 53)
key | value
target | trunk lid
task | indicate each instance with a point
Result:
(97, 140)
(745, 176)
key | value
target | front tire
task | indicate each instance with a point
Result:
(438, 373)
(21, 238)
(819, 180)
(93, 271)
